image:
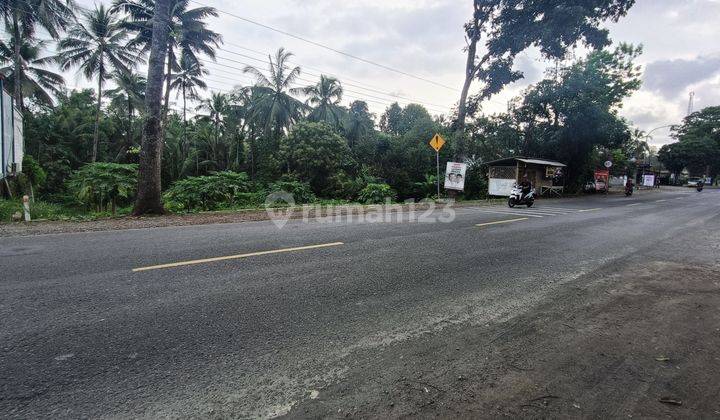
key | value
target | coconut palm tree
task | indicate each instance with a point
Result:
(149, 194)
(189, 35)
(98, 48)
(325, 97)
(188, 80)
(36, 81)
(130, 96)
(359, 122)
(272, 107)
(215, 107)
(21, 19)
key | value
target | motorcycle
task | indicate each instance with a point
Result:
(516, 194)
(628, 190)
(700, 186)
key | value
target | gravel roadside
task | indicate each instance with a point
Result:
(205, 218)
(639, 338)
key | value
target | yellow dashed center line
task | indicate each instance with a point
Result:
(501, 222)
(235, 257)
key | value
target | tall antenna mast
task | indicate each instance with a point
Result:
(691, 103)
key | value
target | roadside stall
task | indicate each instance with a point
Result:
(547, 176)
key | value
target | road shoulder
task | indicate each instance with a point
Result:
(637, 340)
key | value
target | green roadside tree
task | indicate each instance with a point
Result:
(509, 27)
(315, 152)
(567, 118)
(97, 46)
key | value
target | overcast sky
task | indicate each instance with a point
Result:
(425, 38)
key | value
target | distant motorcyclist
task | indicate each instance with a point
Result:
(525, 186)
(629, 187)
(700, 185)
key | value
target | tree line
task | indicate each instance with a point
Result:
(276, 131)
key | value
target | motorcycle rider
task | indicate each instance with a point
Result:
(629, 186)
(525, 186)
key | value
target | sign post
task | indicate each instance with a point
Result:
(437, 143)
(26, 207)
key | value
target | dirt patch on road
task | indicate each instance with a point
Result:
(642, 341)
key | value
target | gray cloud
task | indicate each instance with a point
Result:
(672, 77)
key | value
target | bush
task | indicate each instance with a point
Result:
(376, 194)
(425, 188)
(476, 183)
(38, 210)
(250, 199)
(99, 185)
(301, 191)
(315, 152)
(210, 192)
(34, 172)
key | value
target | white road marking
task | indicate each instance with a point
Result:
(558, 208)
(543, 212)
(499, 222)
(507, 212)
(238, 256)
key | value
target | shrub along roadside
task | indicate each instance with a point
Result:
(377, 194)
(42, 210)
(212, 192)
(301, 191)
(101, 185)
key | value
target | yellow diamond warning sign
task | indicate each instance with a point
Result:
(437, 142)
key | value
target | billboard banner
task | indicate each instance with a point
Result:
(455, 176)
(648, 180)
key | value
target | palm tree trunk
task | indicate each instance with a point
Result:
(97, 117)
(149, 198)
(17, 94)
(168, 81)
(217, 142)
(184, 115)
(130, 122)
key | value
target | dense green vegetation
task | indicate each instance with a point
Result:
(230, 149)
(698, 146)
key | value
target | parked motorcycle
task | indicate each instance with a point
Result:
(518, 199)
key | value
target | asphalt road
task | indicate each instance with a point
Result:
(139, 323)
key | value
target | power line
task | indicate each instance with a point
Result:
(363, 95)
(359, 86)
(317, 44)
(389, 101)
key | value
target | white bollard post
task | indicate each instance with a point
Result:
(26, 207)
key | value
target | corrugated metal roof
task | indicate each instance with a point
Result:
(528, 160)
(542, 162)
